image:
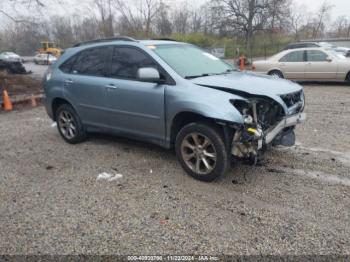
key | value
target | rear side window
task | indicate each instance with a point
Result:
(296, 56)
(91, 62)
(127, 60)
(316, 56)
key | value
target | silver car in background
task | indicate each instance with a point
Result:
(10, 57)
(306, 64)
(44, 59)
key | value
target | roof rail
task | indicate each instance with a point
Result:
(117, 38)
(165, 39)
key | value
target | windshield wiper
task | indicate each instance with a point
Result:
(210, 74)
(196, 76)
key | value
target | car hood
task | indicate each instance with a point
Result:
(249, 84)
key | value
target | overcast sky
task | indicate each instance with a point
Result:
(341, 7)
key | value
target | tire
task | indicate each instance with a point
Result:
(347, 79)
(69, 124)
(190, 153)
(276, 74)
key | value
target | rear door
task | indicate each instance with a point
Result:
(135, 107)
(85, 84)
(318, 66)
(293, 65)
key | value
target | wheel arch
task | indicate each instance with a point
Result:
(56, 102)
(347, 78)
(184, 118)
(275, 69)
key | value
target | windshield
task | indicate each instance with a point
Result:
(190, 61)
(337, 55)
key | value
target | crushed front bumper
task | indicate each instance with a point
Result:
(288, 121)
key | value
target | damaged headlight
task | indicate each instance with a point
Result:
(244, 108)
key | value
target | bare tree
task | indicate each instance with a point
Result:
(163, 24)
(341, 27)
(143, 15)
(104, 8)
(181, 18)
(322, 17)
(247, 16)
(297, 19)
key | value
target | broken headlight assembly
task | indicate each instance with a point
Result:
(248, 139)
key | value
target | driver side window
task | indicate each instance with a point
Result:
(126, 61)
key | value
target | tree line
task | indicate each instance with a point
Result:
(242, 21)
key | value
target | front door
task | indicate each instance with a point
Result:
(135, 107)
(319, 66)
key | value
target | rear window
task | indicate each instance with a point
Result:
(296, 56)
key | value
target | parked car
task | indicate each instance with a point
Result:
(308, 45)
(44, 59)
(345, 51)
(10, 57)
(174, 95)
(306, 64)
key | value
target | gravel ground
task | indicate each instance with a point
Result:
(298, 202)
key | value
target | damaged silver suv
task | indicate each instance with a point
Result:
(174, 95)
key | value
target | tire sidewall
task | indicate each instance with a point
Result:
(80, 132)
(277, 73)
(221, 151)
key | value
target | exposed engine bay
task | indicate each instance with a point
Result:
(265, 123)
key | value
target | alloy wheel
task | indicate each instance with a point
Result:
(67, 124)
(199, 153)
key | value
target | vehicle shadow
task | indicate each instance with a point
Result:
(240, 173)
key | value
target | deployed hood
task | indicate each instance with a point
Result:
(249, 84)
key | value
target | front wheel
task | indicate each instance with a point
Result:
(201, 151)
(276, 74)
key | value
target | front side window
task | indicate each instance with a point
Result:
(126, 61)
(91, 62)
(189, 61)
(296, 56)
(316, 56)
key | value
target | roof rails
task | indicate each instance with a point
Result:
(165, 39)
(117, 38)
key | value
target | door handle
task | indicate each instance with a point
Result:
(69, 81)
(111, 86)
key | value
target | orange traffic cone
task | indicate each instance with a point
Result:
(33, 101)
(6, 100)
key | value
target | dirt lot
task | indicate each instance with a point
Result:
(298, 202)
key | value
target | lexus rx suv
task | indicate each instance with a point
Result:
(174, 95)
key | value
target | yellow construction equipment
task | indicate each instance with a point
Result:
(49, 48)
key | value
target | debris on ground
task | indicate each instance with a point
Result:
(13, 67)
(108, 177)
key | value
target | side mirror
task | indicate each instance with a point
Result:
(149, 74)
(329, 59)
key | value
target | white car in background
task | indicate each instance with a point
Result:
(306, 64)
(44, 59)
(10, 57)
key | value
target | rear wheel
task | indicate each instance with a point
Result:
(69, 124)
(347, 79)
(276, 74)
(201, 151)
